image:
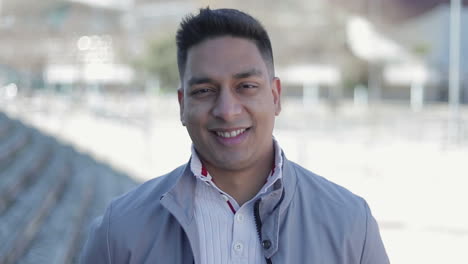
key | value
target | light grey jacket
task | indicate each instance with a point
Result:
(306, 219)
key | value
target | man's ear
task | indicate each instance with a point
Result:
(276, 90)
(180, 97)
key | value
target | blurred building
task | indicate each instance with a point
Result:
(428, 37)
(76, 44)
(323, 49)
(407, 45)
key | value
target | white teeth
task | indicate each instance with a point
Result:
(230, 134)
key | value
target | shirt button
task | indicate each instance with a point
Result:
(266, 244)
(240, 217)
(238, 246)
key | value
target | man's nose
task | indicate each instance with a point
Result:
(227, 106)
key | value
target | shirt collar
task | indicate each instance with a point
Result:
(201, 173)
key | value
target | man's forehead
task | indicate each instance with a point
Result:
(222, 47)
(224, 56)
(224, 39)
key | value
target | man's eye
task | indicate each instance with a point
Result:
(201, 91)
(248, 85)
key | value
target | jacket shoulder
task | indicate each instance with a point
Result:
(145, 194)
(327, 214)
(321, 189)
(344, 216)
(121, 233)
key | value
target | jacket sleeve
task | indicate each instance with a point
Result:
(96, 248)
(374, 250)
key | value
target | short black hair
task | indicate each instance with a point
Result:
(214, 23)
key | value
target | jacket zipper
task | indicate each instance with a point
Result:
(258, 224)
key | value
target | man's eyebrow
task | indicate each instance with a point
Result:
(199, 80)
(241, 75)
(249, 73)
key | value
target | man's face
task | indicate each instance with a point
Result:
(228, 102)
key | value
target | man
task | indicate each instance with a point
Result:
(238, 199)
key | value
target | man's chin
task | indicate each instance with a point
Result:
(230, 164)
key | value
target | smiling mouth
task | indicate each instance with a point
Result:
(230, 134)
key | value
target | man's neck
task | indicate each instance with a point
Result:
(245, 184)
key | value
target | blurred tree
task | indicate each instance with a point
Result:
(159, 62)
(421, 49)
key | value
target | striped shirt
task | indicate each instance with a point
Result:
(227, 231)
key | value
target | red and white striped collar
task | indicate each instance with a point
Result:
(201, 173)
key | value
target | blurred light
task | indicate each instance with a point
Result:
(61, 74)
(95, 49)
(11, 90)
(84, 43)
(107, 73)
(369, 44)
(405, 74)
(111, 4)
(311, 74)
(89, 73)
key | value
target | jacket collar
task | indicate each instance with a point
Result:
(274, 205)
(182, 191)
(179, 201)
(289, 183)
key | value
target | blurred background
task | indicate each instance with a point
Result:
(375, 96)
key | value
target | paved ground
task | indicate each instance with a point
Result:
(411, 173)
